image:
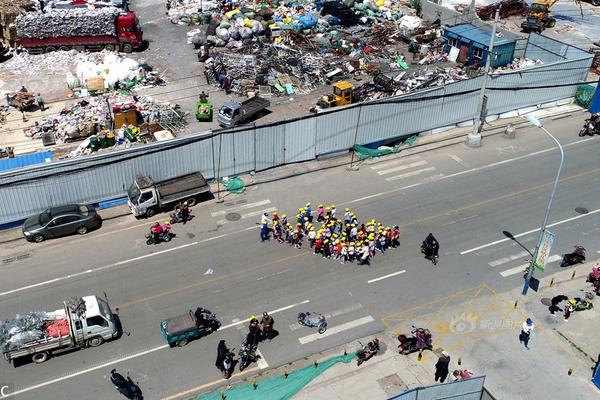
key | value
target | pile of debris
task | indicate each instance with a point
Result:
(72, 22)
(24, 328)
(9, 10)
(508, 8)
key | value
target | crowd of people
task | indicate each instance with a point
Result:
(340, 237)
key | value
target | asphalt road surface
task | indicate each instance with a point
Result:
(471, 199)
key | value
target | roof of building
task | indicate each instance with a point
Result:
(476, 34)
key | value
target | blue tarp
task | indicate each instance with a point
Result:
(595, 104)
(25, 160)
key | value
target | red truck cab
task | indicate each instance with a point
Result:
(129, 31)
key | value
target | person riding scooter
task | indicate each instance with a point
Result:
(156, 229)
(222, 354)
(254, 332)
(430, 247)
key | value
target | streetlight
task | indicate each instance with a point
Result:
(536, 122)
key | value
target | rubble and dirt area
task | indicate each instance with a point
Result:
(508, 8)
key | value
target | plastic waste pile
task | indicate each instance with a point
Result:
(23, 329)
(72, 22)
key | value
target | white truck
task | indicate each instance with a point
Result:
(90, 325)
(147, 198)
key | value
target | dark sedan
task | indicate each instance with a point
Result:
(61, 221)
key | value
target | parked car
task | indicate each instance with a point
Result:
(61, 221)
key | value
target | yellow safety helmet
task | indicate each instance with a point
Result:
(320, 205)
(328, 209)
(333, 206)
(347, 209)
(274, 212)
(284, 216)
(307, 204)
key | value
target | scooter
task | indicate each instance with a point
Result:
(227, 369)
(589, 128)
(247, 355)
(126, 386)
(366, 352)
(431, 255)
(594, 278)
(576, 257)
(419, 341)
(313, 320)
(165, 236)
(177, 217)
(580, 304)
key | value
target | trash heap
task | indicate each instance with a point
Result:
(519, 63)
(71, 22)
(508, 8)
(25, 328)
(9, 10)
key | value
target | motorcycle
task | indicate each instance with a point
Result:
(165, 236)
(313, 320)
(227, 367)
(368, 351)
(126, 386)
(580, 304)
(594, 278)
(419, 341)
(247, 355)
(177, 217)
(589, 128)
(576, 257)
(429, 253)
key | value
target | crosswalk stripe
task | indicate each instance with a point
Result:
(261, 362)
(504, 260)
(250, 214)
(412, 173)
(394, 162)
(239, 208)
(402, 167)
(521, 268)
(336, 329)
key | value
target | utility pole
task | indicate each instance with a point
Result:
(474, 138)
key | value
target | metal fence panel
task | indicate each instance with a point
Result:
(335, 130)
(224, 154)
(269, 146)
(244, 151)
(470, 389)
(299, 140)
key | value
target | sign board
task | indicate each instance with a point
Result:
(544, 246)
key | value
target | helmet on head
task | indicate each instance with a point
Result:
(156, 223)
(265, 314)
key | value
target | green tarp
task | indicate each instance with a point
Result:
(277, 387)
(584, 95)
(363, 152)
(233, 185)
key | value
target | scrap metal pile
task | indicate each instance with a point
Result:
(508, 8)
(72, 22)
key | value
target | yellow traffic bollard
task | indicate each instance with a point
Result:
(459, 361)
(570, 372)
(552, 282)
(573, 275)
(515, 306)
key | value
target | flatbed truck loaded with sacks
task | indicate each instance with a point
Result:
(81, 322)
(107, 28)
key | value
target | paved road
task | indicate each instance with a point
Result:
(467, 197)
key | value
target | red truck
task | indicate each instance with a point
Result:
(80, 29)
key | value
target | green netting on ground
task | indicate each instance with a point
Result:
(278, 387)
(584, 95)
(363, 152)
(233, 185)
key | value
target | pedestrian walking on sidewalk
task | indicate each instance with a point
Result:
(441, 367)
(556, 300)
(40, 102)
(526, 331)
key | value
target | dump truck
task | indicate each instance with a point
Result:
(539, 17)
(107, 28)
(234, 113)
(81, 322)
(146, 197)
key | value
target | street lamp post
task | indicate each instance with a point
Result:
(534, 121)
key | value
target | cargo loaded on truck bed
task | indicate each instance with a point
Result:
(146, 197)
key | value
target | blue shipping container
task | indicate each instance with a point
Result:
(473, 45)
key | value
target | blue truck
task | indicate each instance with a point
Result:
(178, 331)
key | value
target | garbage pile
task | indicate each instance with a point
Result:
(72, 22)
(23, 329)
(9, 10)
(508, 8)
(519, 63)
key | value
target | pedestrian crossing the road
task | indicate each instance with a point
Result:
(243, 211)
(402, 168)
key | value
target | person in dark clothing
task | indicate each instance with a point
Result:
(267, 323)
(222, 352)
(254, 332)
(556, 300)
(441, 367)
(432, 246)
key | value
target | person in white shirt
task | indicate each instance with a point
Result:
(526, 331)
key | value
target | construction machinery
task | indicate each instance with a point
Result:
(539, 17)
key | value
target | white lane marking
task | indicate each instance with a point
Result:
(336, 329)
(366, 197)
(333, 314)
(240, 322)
(275, 274)
(457, 159)
(408, 174)
(117, 264)
(483, 167)
(244, 207)
(504, 260)
(461, 220)
(394, 162)
(386, 276)
(131, 356)
(261, 362)
(402, 167)
(521, 268)
(250, 214)
(483, 246)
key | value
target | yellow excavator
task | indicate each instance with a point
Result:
(539, 17)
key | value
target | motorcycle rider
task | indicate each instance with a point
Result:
(200, 314)
(432, 246)
(183, 211)
(595, 120)
(222, 353)
(267, 323)
(156, 230)
(254, 332)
